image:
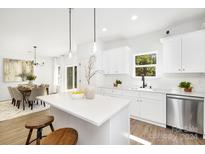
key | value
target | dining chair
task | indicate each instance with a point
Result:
(35, 92)
(18, 97)
(12, 96)
(45, 86)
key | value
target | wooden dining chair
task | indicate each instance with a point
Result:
(12, 96)
(18, 97)
(35, 92)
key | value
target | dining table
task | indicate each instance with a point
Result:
(26, 90)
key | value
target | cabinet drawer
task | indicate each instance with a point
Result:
(152, 95)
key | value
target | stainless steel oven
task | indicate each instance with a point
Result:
(185, 112)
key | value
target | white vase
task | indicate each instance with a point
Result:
(90, 92)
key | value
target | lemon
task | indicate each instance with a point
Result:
(77, 92)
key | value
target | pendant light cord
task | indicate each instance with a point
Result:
(70, 30)
(94, 25)
(34, 54)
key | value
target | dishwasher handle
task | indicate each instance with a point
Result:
(185, 97)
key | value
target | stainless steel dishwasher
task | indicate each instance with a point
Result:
(185, 112)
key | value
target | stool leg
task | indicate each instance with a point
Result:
(29, 136)
(39, 136)
(51, 126)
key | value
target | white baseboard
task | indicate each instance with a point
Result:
(147, 121)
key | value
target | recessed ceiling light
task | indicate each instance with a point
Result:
(134, 17)
(104, 29)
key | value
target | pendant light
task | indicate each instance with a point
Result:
(34, 62)
(70, 43)
(94, 32)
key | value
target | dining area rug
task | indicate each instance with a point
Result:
(9, 111)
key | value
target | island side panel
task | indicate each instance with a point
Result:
(204, 119)
(120, 127)
(88, 134)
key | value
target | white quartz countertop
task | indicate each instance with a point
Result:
(163, 91)
(95, 111)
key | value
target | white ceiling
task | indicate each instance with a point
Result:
(20, 29)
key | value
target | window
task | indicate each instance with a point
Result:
(145, 64)
(71, 77)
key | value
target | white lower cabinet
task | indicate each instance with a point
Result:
(153, 110)
(145, 106)
(135, 108)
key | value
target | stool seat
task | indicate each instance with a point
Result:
(39, 122)
(63, 136)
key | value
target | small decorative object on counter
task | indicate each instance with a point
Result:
(77, 95)
(30, 78)
(187, 86)
(117, 83)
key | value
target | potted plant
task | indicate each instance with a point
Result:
(31, 78)
(187, 86)
(117, 82)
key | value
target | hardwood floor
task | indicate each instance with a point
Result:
(13, 132)
(163, 136)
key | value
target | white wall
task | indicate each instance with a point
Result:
(83, 53)
(44, 73)
(150, 42)
(141, 43)
(80, 59)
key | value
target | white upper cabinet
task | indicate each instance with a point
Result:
(117, 61)
(172, 55)
(184, 53)
(193, 52)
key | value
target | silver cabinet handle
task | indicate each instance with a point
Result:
(183, 69)
(179, 69)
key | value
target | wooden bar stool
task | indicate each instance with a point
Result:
(38, 123)
(63, 136)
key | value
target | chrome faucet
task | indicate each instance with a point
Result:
(143, 81)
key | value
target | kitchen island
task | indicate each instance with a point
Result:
(103, 120)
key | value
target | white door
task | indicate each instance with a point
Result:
(172, 55)
(193, 52)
